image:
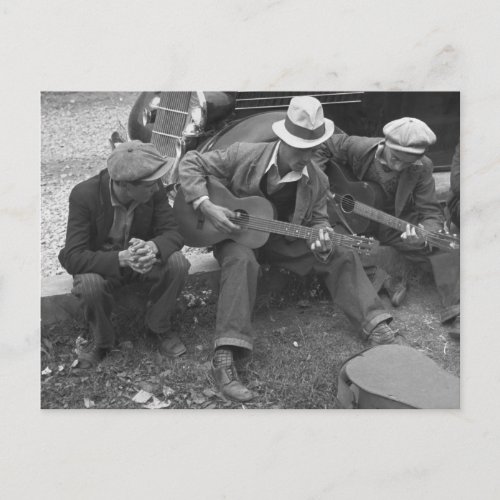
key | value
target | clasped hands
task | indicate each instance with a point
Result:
(140, 256)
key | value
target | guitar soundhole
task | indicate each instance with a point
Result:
(347, 204)
(241, 218)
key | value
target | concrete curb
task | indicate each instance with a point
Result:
(58, 304)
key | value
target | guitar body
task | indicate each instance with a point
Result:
(198, 232)
(343, 182)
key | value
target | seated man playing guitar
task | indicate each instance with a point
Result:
(282, 173)
(410, 217)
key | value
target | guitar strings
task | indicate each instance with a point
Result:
(438, 238)
(262, 224)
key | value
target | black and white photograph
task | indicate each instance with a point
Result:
(259, 250)
(239, 206)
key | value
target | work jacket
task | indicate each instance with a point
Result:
(416, 191)
(241, 167)
(91, 217)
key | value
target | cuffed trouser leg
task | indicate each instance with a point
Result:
(345, 279)
(351, 289)
(238, 288)
(168, 280)
(96, 299)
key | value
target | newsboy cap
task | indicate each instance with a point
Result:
(409, 135)
(136, 161)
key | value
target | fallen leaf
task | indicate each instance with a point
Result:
(142, 397)
(208, 393)
(88, 403)
(198, 399)
(168, 391)
(156, 404)
(60, 368)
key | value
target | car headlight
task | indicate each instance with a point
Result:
(197, 115)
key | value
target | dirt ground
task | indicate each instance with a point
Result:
(302, 340)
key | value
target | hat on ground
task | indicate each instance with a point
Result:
(409, 135)
(305, 125)
(136, 161)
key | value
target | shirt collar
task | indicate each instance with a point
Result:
(291, 176)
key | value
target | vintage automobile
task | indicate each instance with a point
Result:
(177, 122)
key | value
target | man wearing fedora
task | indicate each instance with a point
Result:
(397, 163)
(282, 172)
(121, 229)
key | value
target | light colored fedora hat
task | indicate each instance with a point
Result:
(305, 125)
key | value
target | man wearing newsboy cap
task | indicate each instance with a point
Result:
(121, 229)
(397, 163)
(280, 171)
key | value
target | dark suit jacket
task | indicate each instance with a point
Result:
(416, 191)
(91, 217)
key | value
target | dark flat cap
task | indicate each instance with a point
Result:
(409, 135)
(136, 161)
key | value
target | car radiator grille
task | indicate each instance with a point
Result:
(171, 118)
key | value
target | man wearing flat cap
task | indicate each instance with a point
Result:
(121, 229)
(280, 171)
(397, 163)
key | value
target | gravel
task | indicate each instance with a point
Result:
(75, 128)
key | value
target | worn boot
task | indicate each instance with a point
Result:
(226, 377)
(169, 344)
(383, 334)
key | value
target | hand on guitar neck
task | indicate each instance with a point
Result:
(219, 217)
(412, 237)
(321, 243)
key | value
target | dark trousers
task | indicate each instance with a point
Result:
(95, 294)
(445, 267)
(344, 277)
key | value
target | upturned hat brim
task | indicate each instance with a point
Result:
(299, 143)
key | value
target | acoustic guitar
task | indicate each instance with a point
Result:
(254, 214)
(350, 196)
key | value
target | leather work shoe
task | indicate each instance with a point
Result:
(172, 346)
(227, 381)
(383, 334)
(396, 290)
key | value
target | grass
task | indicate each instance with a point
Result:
(301, 343)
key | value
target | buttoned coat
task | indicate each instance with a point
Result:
(241, 167)
(416, 191)
(91, 217)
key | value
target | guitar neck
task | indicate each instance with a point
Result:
(379, 216)
(439, 240)
(288, 229)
